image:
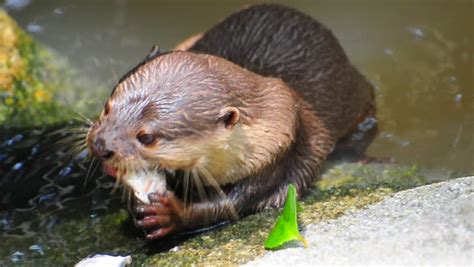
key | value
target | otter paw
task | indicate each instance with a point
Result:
(164, 215)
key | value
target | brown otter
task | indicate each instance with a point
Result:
(256, 103)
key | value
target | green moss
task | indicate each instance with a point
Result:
(343, 188)
(33, 82)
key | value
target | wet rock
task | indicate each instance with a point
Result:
(428, 225)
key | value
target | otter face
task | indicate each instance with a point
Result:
(195, 113)
(165, 116)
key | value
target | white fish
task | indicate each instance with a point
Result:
(144, 182)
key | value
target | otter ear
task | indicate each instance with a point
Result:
(155, 51)
(229, 116)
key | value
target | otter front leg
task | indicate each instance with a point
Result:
(166, 214)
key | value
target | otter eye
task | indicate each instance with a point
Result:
(146, 139)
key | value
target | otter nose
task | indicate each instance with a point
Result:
(100, 150)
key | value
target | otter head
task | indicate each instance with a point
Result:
(193, 112)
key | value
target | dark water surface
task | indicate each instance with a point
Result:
(418, 54)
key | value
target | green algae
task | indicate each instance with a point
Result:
(36, 86)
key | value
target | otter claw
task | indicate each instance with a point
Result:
(159, 233)
(154, 197)
(153, 221)
(153, 209)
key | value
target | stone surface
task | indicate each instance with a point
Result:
(428, 225)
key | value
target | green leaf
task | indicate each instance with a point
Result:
(286, 227)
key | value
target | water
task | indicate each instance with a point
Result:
(418, 54)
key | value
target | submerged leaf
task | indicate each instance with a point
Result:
(286, 227)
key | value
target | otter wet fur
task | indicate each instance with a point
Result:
(256, 103)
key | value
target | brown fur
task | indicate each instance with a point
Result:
(240, 131)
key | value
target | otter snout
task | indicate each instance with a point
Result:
(100, 149)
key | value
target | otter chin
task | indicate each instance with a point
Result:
(220, 130)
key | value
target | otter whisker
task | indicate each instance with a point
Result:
(92, 169)
(71, 143)
(82, 118)
(130, 199)
(69, 130)
(233, 215)
(116, 186)
(199, 185)
(75, 148)
(186, 190)
(69, 139)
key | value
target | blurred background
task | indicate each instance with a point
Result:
(418, 54)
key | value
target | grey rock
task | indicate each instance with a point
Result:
(428, 225)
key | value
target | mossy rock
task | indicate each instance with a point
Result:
(34, 84)
(344, 187)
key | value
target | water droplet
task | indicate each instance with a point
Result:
(3, 157)
(403, 143)
(51, 222)
(458, 98)
(367, 124)
(35, 28)
(59, 11)
(18, 166)
(452, 78)
(388, 51)
(46, 197)
(16, 4)
(387, 135)
(17, 138)
(82, 155)
(94, 217)
(17, 256)
(65, 171)
(417, 32)
(37, 248)
(35, 150)
(357, 136)
(6, 223)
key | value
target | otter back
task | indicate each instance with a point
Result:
(281, 42)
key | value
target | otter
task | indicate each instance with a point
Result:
(256, 103)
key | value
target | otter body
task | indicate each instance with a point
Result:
(254, 104)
